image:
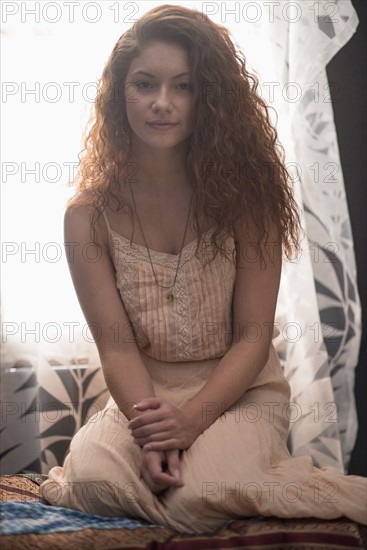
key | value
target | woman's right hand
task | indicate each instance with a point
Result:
(156, 475)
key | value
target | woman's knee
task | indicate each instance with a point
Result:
(189, 507)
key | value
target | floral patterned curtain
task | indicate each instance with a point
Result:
(51, 377)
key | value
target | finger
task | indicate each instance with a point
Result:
(146, 418)
(173, 462)
(156, 488)
(165, 445)
(152, 429)
(151, 464)
(148, 403)
(156, 474)
(159, 485)
(167, 480)
(153, 438)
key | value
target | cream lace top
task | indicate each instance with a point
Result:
(197, 325)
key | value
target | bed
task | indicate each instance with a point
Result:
(28, 522)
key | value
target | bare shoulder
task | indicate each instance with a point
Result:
(79, 220)
(78, 215)
(253, 246)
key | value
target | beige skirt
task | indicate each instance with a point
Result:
(239, 467)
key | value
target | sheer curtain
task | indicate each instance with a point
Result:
(49, 360)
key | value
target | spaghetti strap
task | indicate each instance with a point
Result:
(106, 220)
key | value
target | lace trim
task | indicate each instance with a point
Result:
(184, 349)
(126, 254)
(163, 259)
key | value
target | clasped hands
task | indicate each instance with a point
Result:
(162, 430)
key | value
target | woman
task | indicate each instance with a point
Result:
(183, 190)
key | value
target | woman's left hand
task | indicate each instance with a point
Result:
(162, 427)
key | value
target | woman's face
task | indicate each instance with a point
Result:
(159, 98)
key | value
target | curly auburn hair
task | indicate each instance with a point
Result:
(235, 163)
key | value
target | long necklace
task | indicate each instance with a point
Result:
(170, 296)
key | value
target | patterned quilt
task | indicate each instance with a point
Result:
(29, 523)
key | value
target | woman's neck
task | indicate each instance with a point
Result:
(159, 171)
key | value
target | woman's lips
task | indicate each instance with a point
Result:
(162, 125)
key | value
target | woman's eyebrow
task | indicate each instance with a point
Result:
(152, 76)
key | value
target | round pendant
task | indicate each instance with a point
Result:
(170, 297)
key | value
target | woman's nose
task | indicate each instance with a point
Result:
(163, 100)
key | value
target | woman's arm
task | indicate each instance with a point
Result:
(93, 276)
(254, 303)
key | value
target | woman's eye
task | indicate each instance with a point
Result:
(185, 86)
(145, 85)
(142, 85)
